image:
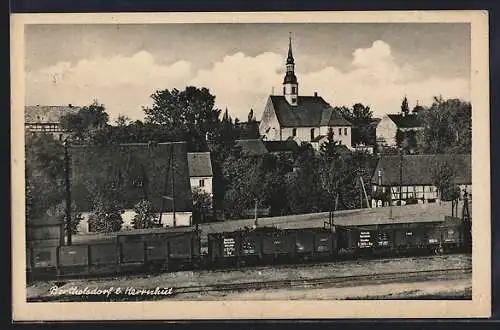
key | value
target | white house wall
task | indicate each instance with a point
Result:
(195, 183)
(182, 219)
(269, 125)
(386, 131)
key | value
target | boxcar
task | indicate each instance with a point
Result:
(159, 247)
(74, 259)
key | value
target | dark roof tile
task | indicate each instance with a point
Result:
(200, 164)
(252, 147)
(418, 169)
(408, 121)
(47, 113)
(310, 111)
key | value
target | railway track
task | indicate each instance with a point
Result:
(330, 281)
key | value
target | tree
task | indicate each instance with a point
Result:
(405, 109)
(106, 215)
(122, 121)
(145, 215)
(193, 108)
(202, 204)
(86, 121)
(59, 212)
(447, 126)
(44, 175)
(444, 180)
(329, 149)
(400, 137)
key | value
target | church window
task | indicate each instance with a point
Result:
(340, 131)
(345, 131)
(294, 90)
(284, 90)
(294, 132)
(294, 99)
(312, 134)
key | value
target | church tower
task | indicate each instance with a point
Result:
(290, 84)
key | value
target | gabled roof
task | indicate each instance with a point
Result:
(200, 164)
(251, 147)
(138, 170)
(310, 111)
(47, 113)
(418, 169)
(281, 146)
(407, 121)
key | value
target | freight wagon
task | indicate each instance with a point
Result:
(168, 249)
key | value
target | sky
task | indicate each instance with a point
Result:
(376, 64)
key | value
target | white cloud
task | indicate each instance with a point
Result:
(239, 82)
(123, 84)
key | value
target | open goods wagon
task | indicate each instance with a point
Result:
(450, 235)
(140, 250)
(268, 244)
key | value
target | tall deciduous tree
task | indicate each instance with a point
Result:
(405, 109)
(145, 215)
(86, 121)
(444, 180)
(447, 126)
(193, 108)
(106, 215)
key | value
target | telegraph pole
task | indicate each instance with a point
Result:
(400, 176)
(68, 192)
(256, 218)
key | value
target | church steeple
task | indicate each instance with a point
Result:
(289, 59)
(290, 84)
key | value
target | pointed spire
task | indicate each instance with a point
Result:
(289, 59)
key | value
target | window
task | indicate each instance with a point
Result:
(284, 90)
(201, 183)
(294, 90)
(294, 99)
(312, 134)
(294, 132)
(340, 131)
(345, 131)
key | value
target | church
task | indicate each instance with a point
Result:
(301, 118)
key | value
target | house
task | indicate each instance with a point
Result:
(46, 119)
(157, 172)
(200, 171)
(389, 124)
(302, 118)
(411, 177)
(251, 147)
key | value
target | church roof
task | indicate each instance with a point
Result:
(310, 111)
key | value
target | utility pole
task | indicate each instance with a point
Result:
(173, 183)
(400, 176)
(256, 219)
(68, 193)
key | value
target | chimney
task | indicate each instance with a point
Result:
(70, 105)
(315, 94)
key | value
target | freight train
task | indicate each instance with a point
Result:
(169, 249)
